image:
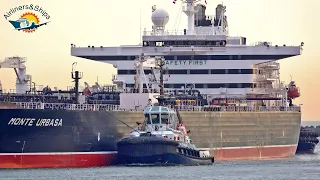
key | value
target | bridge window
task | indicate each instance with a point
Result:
(248, 71)
(218, 71)
(178, 86)
(169, 57)
(233, 85)
(160, 43)
(123, 71)
(183, 57)
(233, 71)
(199, 71)
(147, 71)
(218, 43)
(199, 86)
(178, 71)
(198, 57)
(192, 71)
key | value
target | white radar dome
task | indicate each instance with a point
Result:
(160, 17)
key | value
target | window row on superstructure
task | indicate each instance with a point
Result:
(206, 86)
(193, 71)
(192, 57)
(202, 43)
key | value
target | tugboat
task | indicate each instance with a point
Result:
(160, 139)
(307, 141)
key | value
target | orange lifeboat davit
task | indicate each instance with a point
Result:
(293, 90)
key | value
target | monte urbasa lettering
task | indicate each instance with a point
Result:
(35, 122)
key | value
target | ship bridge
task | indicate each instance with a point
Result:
(202, 56)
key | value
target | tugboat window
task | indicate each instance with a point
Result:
(155, 118)
(155, 108)
(147, 118)
(164, 118)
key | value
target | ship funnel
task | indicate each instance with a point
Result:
(220, 10)
(200, 13)
(220, 20)
(200, 18)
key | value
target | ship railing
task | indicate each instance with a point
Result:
(176, 33)
(266, 77)
(174, 47)
(64, 106)
(261, 43)
(259, 91)
(184, 48)
(238, 108)
(92, 107)
(110, 107)
(268, 64)
(30, 105)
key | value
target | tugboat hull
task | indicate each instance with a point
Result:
(306, 147)
(169, 159)
(307, 141)
(157, 151)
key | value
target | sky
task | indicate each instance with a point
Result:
(115, 23)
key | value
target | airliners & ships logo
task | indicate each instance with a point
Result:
(29, 20)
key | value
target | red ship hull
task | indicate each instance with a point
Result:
(254, 153)
(57, 160)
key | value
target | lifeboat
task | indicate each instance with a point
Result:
(293, 90)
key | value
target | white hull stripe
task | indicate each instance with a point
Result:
(249, 147)
(57, 153)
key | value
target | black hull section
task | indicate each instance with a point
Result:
(157, 151)
(57, 131)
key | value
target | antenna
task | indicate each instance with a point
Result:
(140, 38)
(76, 75)
(74, 64)
(189, 10)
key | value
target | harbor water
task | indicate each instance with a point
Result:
(305, 166)
(302, 166)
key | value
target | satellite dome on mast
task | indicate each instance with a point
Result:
(160, 19)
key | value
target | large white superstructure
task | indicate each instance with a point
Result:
(203, 56)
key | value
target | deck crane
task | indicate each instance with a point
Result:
(17, 63)
(142, 62)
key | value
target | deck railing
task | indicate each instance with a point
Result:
(109, 107)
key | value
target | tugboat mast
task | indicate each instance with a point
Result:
(161, 63)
